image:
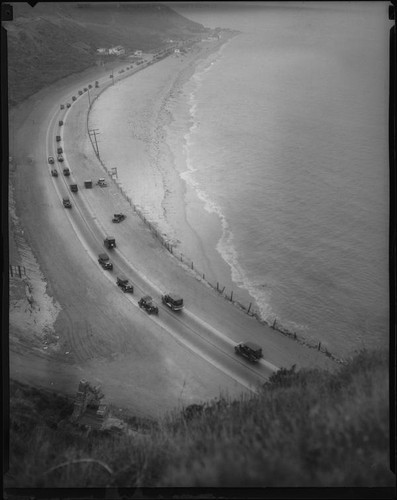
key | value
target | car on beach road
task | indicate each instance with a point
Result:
(147, 303)
(62, 106)
(110, 242)
(66, 203)
(59, 150)
(58, 137)
(74, 188)
(74, 98)
(80, 92)
(66, 172)
(68, 105)
(51, 160)
(123, 283)
(104, 261)
(60, 123)
(54, 172)
(118, 218)
(60, 158)
(173, 301)
(251, 351)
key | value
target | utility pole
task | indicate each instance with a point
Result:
(94, 132)
(89, 98)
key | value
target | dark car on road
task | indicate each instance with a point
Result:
(147, 303)
(74, 98)
(54, 172)
(118, 218)
(66, 203)
(59, 150)
(104, 261)
(80, 92)
(173, 301)
(60, 123)
(249, 350)
(58, 137)
(74, 188)
(60, 158)
(68, 105)
(110, 242)
(66, 172)
(123, 283)
(62, 106)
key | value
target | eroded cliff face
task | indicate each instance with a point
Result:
(50, 41)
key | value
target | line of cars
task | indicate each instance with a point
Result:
(171, 300)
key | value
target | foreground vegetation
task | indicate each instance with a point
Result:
(305, 428)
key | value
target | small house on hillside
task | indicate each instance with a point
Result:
(118, 50)
(138, 53)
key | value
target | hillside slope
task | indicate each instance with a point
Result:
(53, 40)
(306, 428)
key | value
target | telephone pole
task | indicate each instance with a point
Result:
(94, 132)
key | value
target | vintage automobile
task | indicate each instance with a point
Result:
(54, 172)
(66, 172)
(147, 303)
(110, 242)
(104, 261)
(66, 203)
(173, 301)
(118, 218)
(51, 159)
(123, 283)
(249, 350)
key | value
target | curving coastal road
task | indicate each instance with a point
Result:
(146, 363)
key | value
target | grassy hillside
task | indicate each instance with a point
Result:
(305, 428)
(53, 40)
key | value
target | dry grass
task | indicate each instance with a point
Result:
(306, 428)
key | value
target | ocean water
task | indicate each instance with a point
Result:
(284, 137)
